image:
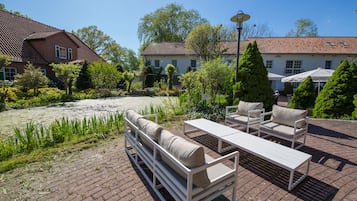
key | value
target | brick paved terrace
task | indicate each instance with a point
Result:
(105, 172)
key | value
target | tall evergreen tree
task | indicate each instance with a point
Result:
(335, 99)
(253, 83)
(83, 81)
(304, 96)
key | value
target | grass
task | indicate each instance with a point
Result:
(46, 154)
(60, 132)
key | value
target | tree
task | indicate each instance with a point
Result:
(68, 73)
(32, 78)
(129, 78)
(104, 75)
(204, 40)
(253, 84)
(5, 60)
(217, 74)
(83, 80)
(304, 96)
(96, 39)
(170, 72)
(171, 23)
(354, 113)
(304, 28)
(230, 33)
(336, 97)
(107, 48)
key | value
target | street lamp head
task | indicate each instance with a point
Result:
(239, 18)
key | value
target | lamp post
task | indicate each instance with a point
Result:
(239, 18)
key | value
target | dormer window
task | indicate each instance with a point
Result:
(60, 52)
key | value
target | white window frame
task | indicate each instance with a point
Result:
(328, 64)
(269, 63)
(60, 52)
(12, 77)
(69, 53)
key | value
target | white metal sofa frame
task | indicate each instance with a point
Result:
(246, 114)
(163, 176)
(285, 123)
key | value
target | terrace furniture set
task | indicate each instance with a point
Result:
(187, 173)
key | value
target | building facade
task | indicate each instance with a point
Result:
(26, 40)
(282, 55)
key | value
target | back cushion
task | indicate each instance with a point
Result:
(189, 154)
(133, 116)
(288, 116)
(151, 129)
(244, 107)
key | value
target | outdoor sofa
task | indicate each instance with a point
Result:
(176, 164)
(285, 123)
(245, 114)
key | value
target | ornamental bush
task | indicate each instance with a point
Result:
(336, 97)
(253, 83)
(304, 96)
(354, 113)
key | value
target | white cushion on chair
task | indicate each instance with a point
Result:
(288, 116)
(244, 107)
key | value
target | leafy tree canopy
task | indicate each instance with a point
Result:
(171, 23)
(68, 73)
(32, 78)
(205, 41)
(304, 28)
(107, 48)
(104, 75)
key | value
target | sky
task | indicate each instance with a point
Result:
(120, 18)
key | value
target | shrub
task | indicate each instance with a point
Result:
(354, 113)
(336, 97)
(304, 96)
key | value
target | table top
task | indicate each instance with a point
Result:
(276, 153)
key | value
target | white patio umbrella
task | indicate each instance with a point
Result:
(273, 76)
(317, 75)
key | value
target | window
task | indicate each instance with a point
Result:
(174, 62)
(57, 51)
(43, 71)
(157, 63)
(69, 52)
(328, 64)
(293, 67)
(10, 73)
(193, 63)
(60, 52)
(269, 63)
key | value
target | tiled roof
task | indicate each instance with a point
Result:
(14, 30)
(271, 45)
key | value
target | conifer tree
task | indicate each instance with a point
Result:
(336, 97)
(83, 81)
(253, 84)
(304, 96)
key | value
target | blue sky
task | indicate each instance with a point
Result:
(120, 18)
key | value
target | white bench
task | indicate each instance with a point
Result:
(179, 166)
(277, 154)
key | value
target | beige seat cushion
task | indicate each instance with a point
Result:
(151, 129)
(133, 116)
(189, 154)
(279, 129)
(244, 107)
(288, 116)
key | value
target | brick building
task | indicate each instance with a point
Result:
(26, 40)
